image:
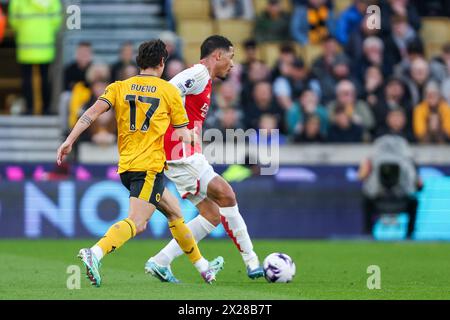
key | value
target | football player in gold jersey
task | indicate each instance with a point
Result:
(144, 106)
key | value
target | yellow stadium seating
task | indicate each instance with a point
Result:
(341, 5)
(191, 52)
(194, 30)
(260, 5)
(270, 52)
(435, 29)
(191, 9)
(310, 52)
(236, 30)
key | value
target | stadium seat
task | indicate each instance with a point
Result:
(236, 30)
(311, 52)
(194, 30)
(259, 5)
(432, 49)
(191, 52)
(270, 52)
(435, 29)
(192, 9)
(341, 5)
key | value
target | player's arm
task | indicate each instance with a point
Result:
(88, 117)
(191, 81)
(179, 120)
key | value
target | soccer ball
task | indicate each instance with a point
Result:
(279, 267)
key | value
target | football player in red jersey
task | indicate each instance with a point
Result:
(194, 178)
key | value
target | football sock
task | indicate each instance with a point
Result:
(115, 237)
(183, 235)
(236, 229)
(200, 228)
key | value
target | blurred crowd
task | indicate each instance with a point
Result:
(366, 82)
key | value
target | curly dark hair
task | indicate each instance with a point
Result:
(150, 54)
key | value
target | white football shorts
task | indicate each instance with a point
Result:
(191, 176)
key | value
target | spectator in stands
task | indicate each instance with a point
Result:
(228, 118)
(250, 56)
(258, 71)
(440, 65)
(263, 102)
(432, 117)
(350, 20)
(343, 129)
(357, 110)
(286, 55)
(373, 86)
(312, 23)
(103, 131)
(272, 24)
(127, 57)
(173, 67)
(396, 124)
(354, 46)
(76, 71)
(373, 55)
(306, 107)
(340, 71)
(82, 93)
(323, 64)
(36, 48)
(432, 8)
(403, 8)
(295, 79)
(128, 72)
(233, 9)
(267, 123)
(311, 132)
(397, 41)
(225, 97)
(414, 50)
(172, 43)
(418, 78)
(395, 97)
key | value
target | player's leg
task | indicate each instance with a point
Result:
(202, 225)
(185, 242)
(139, 213)
(223, 195)
(143, 200)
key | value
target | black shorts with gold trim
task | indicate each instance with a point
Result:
(145, 185)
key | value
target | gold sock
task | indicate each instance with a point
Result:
(117, 235)
(185, 239)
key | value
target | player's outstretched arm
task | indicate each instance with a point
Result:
(88, 117)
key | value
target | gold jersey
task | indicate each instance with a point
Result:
(144, 106)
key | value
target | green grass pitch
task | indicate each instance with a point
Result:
(36, 269)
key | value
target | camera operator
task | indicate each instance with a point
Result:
(390, 180)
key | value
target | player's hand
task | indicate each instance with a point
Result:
(63, 151)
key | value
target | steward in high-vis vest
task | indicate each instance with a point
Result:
(36, 24)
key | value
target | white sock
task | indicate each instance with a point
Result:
(97, 252)
(202, 265)
(200, 228)
(236, 228)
